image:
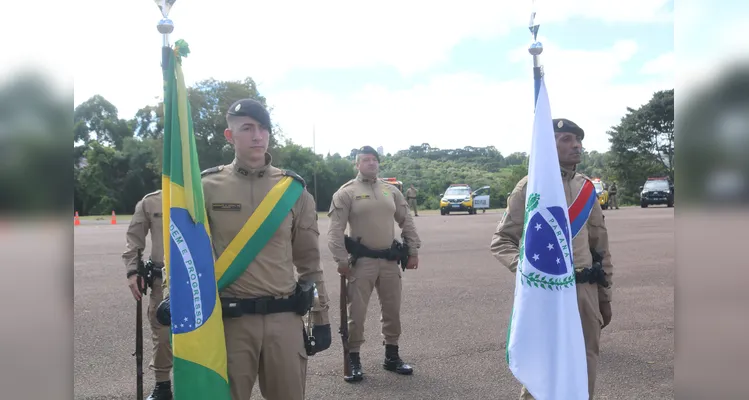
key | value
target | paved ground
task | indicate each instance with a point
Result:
(455, 311)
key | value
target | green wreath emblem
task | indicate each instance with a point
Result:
(534, 279)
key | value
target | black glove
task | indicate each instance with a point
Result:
(164, 313)
(322, 337)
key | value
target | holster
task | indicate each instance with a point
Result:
(155, 269)
(305, 295)
(594, 274)
(397, 252)
(299, 302)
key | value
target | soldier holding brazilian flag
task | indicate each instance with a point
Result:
(233, 237)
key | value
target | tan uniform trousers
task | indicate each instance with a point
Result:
(161, 361)
(385, 276)
(412, 205)
(590, 315)
(269, 348)
(613, 202)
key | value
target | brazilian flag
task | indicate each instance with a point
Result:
(198, 344)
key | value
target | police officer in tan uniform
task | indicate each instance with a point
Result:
(265, 342)
(411, 196)
(594, 299)
(612, 196)
(148, 217)
(369, 206)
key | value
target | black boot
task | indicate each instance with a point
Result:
(393, 361)
(162, 391)
(356, 369)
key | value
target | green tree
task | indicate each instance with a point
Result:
(642, 144)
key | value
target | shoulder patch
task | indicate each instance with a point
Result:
(212, 170)
(294, 175)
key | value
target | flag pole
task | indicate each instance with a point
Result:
(165, 27)
(536, 48)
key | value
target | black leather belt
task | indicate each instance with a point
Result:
(258, 305)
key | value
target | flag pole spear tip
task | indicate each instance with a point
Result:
(535, 49)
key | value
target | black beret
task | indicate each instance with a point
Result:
(250, 108)
(369, 150)
(565, 125)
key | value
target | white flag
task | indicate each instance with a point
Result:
(545, 346)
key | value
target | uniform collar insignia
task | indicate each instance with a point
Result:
(362, 178)
(245, 171)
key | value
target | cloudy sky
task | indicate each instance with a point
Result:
(389, 74)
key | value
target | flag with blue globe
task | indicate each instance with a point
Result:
(545, 346)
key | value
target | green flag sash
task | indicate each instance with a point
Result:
(256, 232)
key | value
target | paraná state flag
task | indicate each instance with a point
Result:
(198, 343)
(545, 345)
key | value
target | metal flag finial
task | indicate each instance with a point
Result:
(535, 49)
(165, 25)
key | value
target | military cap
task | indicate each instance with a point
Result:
(369, 150)
(565, 125)
(250, 108)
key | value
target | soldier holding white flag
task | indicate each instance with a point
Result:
(589, 240)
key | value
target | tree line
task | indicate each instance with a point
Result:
(118, 160)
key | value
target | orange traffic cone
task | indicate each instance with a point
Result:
(76, 220)
(114, 218)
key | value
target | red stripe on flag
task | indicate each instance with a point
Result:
(582, 198)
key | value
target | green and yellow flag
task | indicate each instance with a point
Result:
(198, 344)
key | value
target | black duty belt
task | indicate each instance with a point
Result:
(386, 254)
(257, 305)
(591, 275)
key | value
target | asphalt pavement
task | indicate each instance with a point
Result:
(454, 316)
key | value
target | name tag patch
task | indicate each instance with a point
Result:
(362, 197)
(226, 206)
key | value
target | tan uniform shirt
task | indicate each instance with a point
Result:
(411, 193)
(506, 239)
(232, 193)
(369, 208)
(148, 215)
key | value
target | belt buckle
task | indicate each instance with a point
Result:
(261, 306)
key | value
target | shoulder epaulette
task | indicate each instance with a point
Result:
(587, 178)
(152, 193)
(294, 175)
(212, 170)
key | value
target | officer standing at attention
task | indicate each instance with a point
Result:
(148, 217)
(264, 336)
(411, 196)
(612, 196)
(370, 206)
(594, 300)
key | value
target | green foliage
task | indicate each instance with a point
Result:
(642, 145)
(432, 170)
(117, 161)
